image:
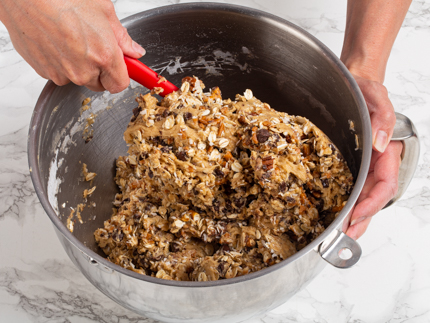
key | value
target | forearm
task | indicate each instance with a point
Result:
(371, 28)
(81, 41)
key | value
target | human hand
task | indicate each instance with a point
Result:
(79, 41)
(381, 183)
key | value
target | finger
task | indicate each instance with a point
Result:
(88, 76)
(381, 111)
(53, 75)
(383, 120)
(357, 230)
(114, 77)
(380, 186)
(128, 46)
(60, 80)
(95, 85)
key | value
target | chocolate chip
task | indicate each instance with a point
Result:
(188, 116)
(166, 150)
(320, 205)
(150, 173)
(88, 139)
(136, 112)
(137, 216)
(325, 182)
(266, 175)
(228, 206)
(226, 248)
(263, 135)
(290, 199)
(220, 267)
(118, 236)
(174, 247)
(215, 205)
(283, 187)
(181, 155)
(219, 172)
(156, 140)
(165, 113)
(249, 199)
(143, 262)
(239, 203)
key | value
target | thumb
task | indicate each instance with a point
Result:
(128, 46)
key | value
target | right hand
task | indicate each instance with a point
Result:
(79, 41)
(381, 182)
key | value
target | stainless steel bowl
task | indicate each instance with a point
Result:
(236, 48)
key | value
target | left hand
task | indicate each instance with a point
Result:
(382, 180)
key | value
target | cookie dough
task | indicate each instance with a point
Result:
(214, 189)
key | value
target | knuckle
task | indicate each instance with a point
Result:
(104, 58)
(109, 7)
(118, 86)
(62, 81)
(122, 33)
(122, 37)
(394, 188)
(59, 79)
(389, 117)
(81, 79)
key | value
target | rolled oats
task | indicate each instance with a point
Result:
(214, 189)
(223, 142)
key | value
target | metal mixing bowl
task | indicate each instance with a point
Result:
(228, 46)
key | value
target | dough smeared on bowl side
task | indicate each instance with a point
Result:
(214, 189)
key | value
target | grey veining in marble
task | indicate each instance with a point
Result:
(391, 283)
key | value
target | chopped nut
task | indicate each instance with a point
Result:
(188, 209)
(228, 156)
(242, 120)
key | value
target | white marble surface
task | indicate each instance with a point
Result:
(391, 283)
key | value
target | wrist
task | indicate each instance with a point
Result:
(365, 65)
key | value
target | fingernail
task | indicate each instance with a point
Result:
(358, 220)
(381, 141)
(137, 48)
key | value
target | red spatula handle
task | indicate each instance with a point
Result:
(148, 78)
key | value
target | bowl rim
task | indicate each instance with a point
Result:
(33, 140)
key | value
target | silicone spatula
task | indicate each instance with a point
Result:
(150, 79)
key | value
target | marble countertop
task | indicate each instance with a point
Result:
(391, 282)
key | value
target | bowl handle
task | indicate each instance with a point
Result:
(340, 250)
(405, 131)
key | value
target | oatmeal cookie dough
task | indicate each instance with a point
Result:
(214, 189)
